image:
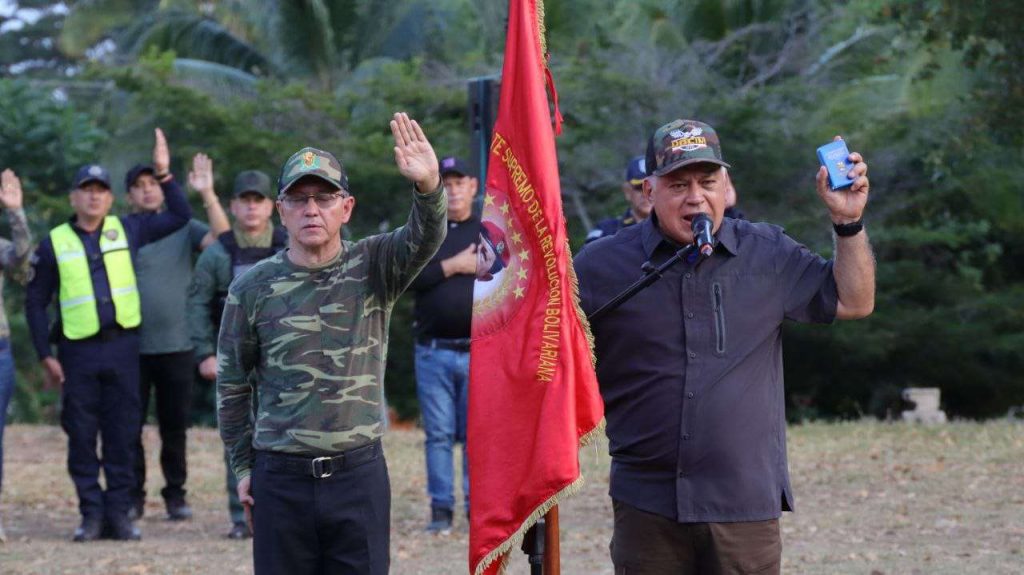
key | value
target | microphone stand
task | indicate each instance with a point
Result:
(651, 275)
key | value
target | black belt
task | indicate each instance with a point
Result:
(320, 467)
(461, 344)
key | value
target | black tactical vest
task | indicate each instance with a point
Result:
(242, 259)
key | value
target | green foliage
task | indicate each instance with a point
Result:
(44, 140)
(928, 91)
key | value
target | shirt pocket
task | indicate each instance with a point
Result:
(718, 312)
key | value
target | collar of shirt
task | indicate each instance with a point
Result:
(651, 236)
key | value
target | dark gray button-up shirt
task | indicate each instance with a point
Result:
(691, 368)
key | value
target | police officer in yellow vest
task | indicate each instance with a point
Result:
(88, 264)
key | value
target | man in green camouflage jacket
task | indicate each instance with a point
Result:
(306, 330)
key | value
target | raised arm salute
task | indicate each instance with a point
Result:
(308, 329)
(13, 257)
(691, 369)
(166, 361)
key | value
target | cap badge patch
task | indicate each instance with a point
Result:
(688, 140)
(448, 162)
(110, 235)
(95, 171)
(310, 161)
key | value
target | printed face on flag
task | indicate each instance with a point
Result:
(501, 276)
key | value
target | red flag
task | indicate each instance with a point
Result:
(533, 396)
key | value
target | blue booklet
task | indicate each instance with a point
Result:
(835, 157)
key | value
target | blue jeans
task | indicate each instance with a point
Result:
(6, 391)
(442, 385)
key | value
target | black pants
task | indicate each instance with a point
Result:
(648, 544)
(172, 374)
(101, 397)
(338, 525)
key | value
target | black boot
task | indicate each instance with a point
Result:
(89, 530)
(440, 521)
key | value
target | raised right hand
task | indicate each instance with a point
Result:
(161, 153)
(53, 373)
(201, 175)
(10, 190)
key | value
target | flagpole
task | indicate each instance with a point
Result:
(552, 552)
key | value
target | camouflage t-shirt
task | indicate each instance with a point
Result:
(315, 342)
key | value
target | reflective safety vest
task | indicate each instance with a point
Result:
(79, 313)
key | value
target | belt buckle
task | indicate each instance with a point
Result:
(322, 467)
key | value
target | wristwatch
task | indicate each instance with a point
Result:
(850, 229)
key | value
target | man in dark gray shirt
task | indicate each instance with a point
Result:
(691, 368)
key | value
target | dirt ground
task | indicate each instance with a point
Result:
(872, 499)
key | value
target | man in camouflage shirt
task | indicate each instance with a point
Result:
(307, 331)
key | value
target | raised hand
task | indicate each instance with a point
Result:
(161, 153)
(201, 175)
(10, 190)
(414, 155)
(847, 205)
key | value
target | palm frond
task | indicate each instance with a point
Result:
(196, 37)
(91, 21)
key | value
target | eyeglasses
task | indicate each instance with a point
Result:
(324, 200)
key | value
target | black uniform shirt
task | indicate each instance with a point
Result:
(444, 306)
(690, 369)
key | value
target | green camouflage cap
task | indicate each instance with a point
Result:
(682, 143)
(312, 162)
(252, 181)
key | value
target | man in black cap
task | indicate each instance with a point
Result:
(166, 361)
(691, 369)
(253, 237)
(444, 308)
(639, 204)
(89, 263)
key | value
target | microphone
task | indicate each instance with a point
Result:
(702, 238)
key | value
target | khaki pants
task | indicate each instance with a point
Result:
(649, 544)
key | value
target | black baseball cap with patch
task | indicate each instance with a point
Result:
(252, 181)
(682, 143)
(92, 173)
(134, 173)
(454, 165)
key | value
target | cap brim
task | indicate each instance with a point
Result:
(688, 162)
(284, 190)
(81, 183)
(257, 192)
(451, 171)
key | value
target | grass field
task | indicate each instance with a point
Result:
(871, 499)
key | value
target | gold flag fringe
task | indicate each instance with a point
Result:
(575, 283)
(515, 540)
(542, 29)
